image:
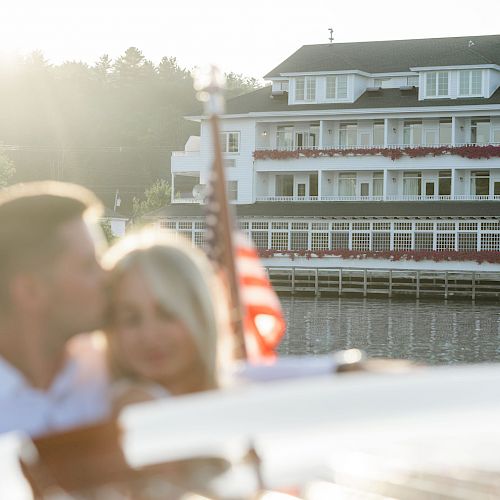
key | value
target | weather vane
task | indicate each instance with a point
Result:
(331, 34)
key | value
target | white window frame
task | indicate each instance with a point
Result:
(470, 76)
(309, 86)
(225, 141)
(436, 94)
(334, 80)
(232, 190)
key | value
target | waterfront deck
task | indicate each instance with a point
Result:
(388, 283)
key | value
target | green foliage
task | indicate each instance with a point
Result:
(7, 170)
(238, 84)
(155, 196)
(109, 125)
(106, 229)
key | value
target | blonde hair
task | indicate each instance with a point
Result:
(184, 283)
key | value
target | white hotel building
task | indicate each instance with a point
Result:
(330, 155)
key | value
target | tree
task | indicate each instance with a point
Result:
(155, 196)
(238, 84)
(106, 229)
(7, 170)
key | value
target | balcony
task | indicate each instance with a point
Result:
(399, 197)
(394, 151)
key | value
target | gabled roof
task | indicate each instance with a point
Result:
(392, 55)
(260, 101)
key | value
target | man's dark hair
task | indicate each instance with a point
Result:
(30, 216)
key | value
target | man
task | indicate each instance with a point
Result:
(51, 289)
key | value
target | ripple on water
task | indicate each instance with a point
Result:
(435, 332)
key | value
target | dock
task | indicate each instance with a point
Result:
(366, 282)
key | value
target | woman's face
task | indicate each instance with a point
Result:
(148, 341)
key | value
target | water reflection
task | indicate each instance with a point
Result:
(435, 332)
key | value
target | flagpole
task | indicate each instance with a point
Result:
(212, 95)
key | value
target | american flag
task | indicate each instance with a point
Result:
(261, 316)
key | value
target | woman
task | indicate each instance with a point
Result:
(166, 315)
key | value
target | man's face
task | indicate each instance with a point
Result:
(76, 299)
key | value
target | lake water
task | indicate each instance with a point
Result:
(433, 332)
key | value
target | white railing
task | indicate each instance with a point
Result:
(185, 200)
(392, 197)
(287, 198)
(185, 153)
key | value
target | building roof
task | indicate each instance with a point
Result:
(260, 101)
(345, 209)
(392, 55)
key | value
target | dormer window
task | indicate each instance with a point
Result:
(305, 88)
(470, 83)
(436, 84)
(336, 87)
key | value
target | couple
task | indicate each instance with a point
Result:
(155, 301)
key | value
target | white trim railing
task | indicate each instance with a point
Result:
(186, 200)
(400, 197)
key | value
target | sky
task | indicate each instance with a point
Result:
(250, 37)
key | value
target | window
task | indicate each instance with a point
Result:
(470, 83)
(284, 138)
(319, 241)
(444, 182)
(480, 131)
(412, 133)
(260, 239)
(307, 139)
(336, 87)
(436, 84)
(490, 242)
(467, 226)
(381, 242)
(402, 241)
(467, 242)
(340, 241)
(167, 224)
(412, 183)
(313, 184)
(480, 183)
(378, 183)
(446, 226)
(445, 242)
(299, 236)
(445, 132)
(232, 190)
(230, 142)
(378, 133)
(284, 185)
(424, 241)
(279, 241)
(347, 184)
(348, 134)
(360, 226)
(490, 226)
(305, 88)
(361, 241)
